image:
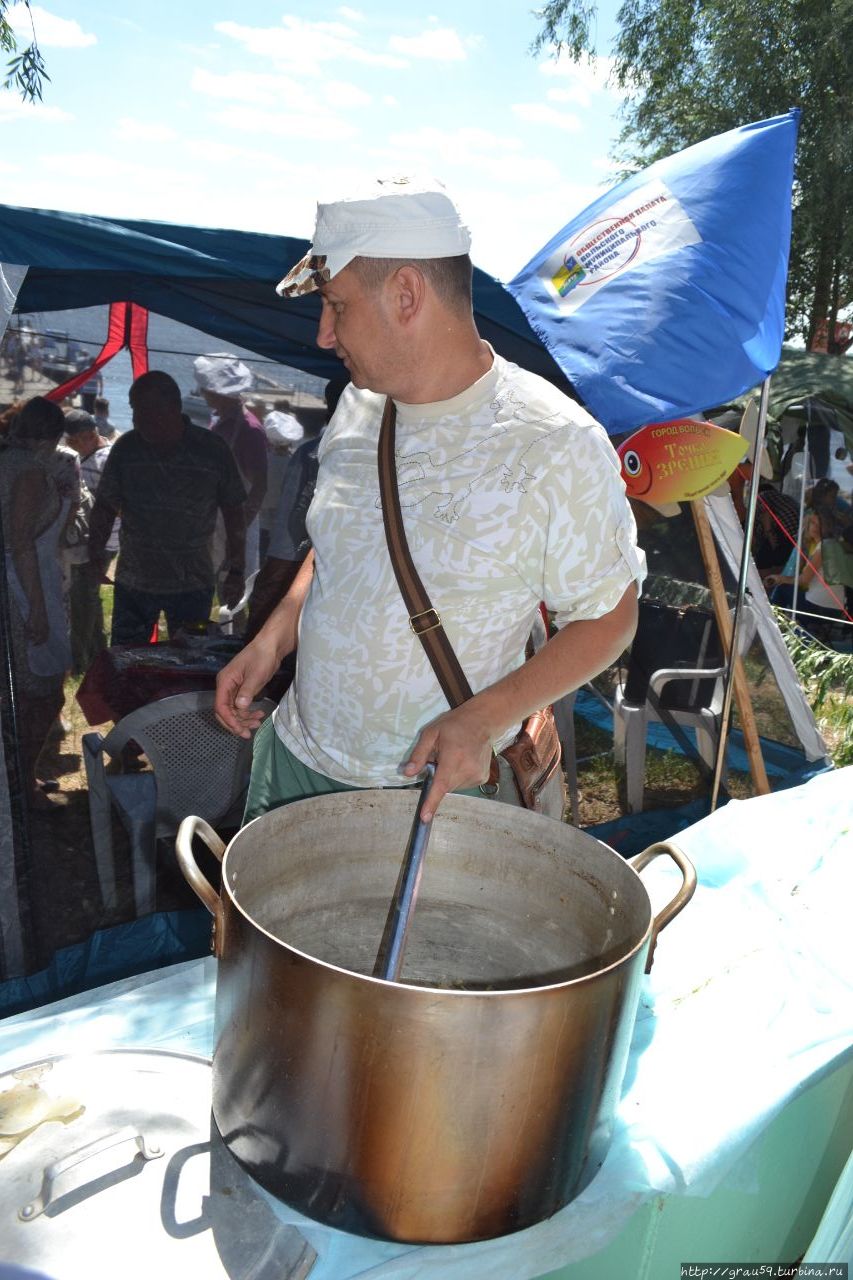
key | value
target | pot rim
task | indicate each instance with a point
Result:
(422, 988)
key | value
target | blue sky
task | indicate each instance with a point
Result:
(244, 115)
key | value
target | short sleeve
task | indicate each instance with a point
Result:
(589, 553)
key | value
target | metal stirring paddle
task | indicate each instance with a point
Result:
(389, 959)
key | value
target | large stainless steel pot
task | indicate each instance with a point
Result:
(478, 1101)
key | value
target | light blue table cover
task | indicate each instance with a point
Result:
(750, 1000)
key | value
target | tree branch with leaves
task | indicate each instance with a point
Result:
(25, 70)
(691, 69)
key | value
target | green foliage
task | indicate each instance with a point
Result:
(827, 677)
(695, 68)
(25, 70)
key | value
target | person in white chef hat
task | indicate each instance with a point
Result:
(223, 381)
(284, 432)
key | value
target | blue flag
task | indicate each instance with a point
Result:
(667, 295)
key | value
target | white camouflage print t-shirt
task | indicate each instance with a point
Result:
(511, 494)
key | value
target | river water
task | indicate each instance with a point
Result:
(172, 347)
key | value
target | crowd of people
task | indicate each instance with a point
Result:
(160, 512)
(511, 495)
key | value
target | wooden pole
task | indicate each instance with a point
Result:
(724, 623)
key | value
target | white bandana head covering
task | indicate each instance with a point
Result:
(404, 217)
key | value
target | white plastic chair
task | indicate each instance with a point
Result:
(631, 720)
(197, 767)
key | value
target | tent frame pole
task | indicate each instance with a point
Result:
(728, 688)
(752, 742)
(807, 459)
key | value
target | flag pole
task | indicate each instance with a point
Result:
(728, 688)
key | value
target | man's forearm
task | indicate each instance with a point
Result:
(234, 520)
(254, 501)
(579, 651)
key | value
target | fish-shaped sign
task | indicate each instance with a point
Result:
(678, 461)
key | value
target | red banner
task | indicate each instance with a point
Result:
(128, 327)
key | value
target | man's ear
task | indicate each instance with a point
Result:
(409, 293)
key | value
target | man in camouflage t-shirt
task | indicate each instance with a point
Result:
(510, 492)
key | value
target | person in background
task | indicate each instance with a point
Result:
(39, 495)
(834, 513)
(168, 480)
(289, 543)
(816, 596)
(88, 637)
(101, 414)
(91, 389)
(777, 521)
(223, 379)
(284, 432)
(511, 494)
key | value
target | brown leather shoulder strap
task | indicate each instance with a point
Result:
(423, 619)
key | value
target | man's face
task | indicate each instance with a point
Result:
(83, 442)
(153, 417)
(356, 325)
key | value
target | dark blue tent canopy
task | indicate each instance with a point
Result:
(219, 281)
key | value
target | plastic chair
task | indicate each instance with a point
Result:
(197, 767)
(631, 721)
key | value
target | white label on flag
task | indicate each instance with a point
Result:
(644, 225)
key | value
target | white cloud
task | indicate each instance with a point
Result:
(581, 80)
(440, 45)
(541, 113)
(281, 106)
(243, 86)
(303, 46)
(344, 96)
(279, 91)
(350, 15)
(470, 150)
(12, 107)
(130, 130)
(307, 125)
(51, 32)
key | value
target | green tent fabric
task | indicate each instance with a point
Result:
(827, 381)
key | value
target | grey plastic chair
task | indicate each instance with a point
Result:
(631, 721)
(197, 767)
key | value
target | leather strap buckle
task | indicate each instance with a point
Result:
(420, 623)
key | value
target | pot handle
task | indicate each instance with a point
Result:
(682, 897)
(199, 883)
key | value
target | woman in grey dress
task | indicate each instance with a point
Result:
(39, 494)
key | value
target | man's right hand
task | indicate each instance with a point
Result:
(238, 684)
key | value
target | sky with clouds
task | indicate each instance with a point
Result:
(244, 116)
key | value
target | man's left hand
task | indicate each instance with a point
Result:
(460, 743)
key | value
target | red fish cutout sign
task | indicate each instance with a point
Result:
(678, 461)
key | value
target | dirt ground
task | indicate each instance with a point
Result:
(62, 842)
